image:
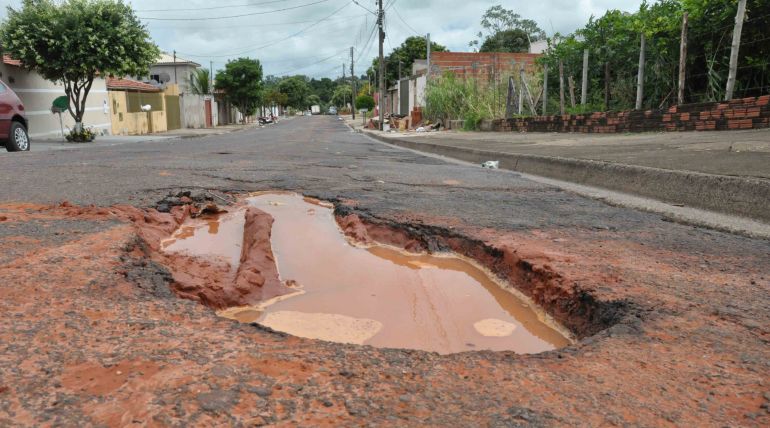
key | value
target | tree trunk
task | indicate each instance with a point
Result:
(545, 88)
(584, 83)
(571, 82)
(561, 87)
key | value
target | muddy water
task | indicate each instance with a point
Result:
(378, 296)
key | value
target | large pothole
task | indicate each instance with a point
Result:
(352, 289)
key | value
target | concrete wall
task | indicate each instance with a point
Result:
(193, 109)
(744, 113)
(38, 94)
(124, 123)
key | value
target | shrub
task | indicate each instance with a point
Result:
(85, 135)
(365, 102)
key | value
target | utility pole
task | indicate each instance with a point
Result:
(380, 19)
(211, 76)
(175, 66)
(739, 17)
(682, 61)
(427, 38)
(353, 83)
(640, 77)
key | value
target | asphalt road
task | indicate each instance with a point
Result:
(699, 297)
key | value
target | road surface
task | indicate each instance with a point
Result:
(91, 335)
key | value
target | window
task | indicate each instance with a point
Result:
(2, 88)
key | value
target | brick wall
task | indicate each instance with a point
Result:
(744, 113)
(482, 66)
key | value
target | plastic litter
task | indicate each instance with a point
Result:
(420, 129)
(491, 164)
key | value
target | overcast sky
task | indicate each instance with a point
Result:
(293, 41)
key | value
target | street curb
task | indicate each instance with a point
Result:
(742, 196)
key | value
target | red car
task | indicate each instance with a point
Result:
(13, 122)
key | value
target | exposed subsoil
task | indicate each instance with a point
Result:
(94, 332)
(92, 321)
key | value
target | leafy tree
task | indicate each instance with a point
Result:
(199, 82)
(277, 98)
(342, 95)
(323, 88)
(297, 90)
(497, 20)
(506, 41)
(241, 82)
(365, 102)
(413, 48)
(73, 41)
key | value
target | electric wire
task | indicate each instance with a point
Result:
(211, 18)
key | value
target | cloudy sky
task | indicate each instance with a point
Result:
(313, 37)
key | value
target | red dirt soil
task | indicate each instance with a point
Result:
(92, 336)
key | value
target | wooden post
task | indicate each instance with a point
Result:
(640, 76)
(606, 86)
(509, 98)
(561, 86)
(584, 83)
(571, 82)
(545, 89)
(521, 97)
(739, 17)
(682, 61)
(524, 85)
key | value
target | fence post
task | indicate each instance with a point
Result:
(584, 83)
(682, 61)
(561, 86)
(571, 82)
(640, 76)
(509, 99)
(545, 89)
(734, 49)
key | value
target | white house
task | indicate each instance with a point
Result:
(172, 69)
(38, 94)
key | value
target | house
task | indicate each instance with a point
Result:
(127, 99)
(171, 69)
(38, 94)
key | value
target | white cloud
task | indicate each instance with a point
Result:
(452, 23)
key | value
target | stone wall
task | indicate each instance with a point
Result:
(744, 113)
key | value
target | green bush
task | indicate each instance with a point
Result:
(365, 102)
(451, 98)
(85, 135)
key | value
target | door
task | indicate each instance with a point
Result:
(208, 113)
(403, 108)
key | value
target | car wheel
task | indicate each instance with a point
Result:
(18, 139)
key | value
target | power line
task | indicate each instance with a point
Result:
(210, 8)
(398, 14)
(310, 65)
(278, 24)
(211, 18)
(278, 40)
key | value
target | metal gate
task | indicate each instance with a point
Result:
(173, 112)
(403, 108)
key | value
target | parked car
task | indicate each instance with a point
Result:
(13, 121)
(332, 110)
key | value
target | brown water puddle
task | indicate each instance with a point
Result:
(378, 296)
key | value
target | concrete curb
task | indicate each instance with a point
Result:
(742, 196)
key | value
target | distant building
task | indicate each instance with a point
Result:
(538, 47)
(172, 70)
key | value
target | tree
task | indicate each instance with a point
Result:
(241, 81)
(342, 95)
(73, 41)
(199, 82)
(413, 48)
(497, 20)
(275, 97)
(365, 102)
(506, 41)
(297, 90)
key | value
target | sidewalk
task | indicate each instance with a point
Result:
(58, 143)
(723, 171)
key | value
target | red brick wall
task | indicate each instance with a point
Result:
(481, 65)
(744, 113)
